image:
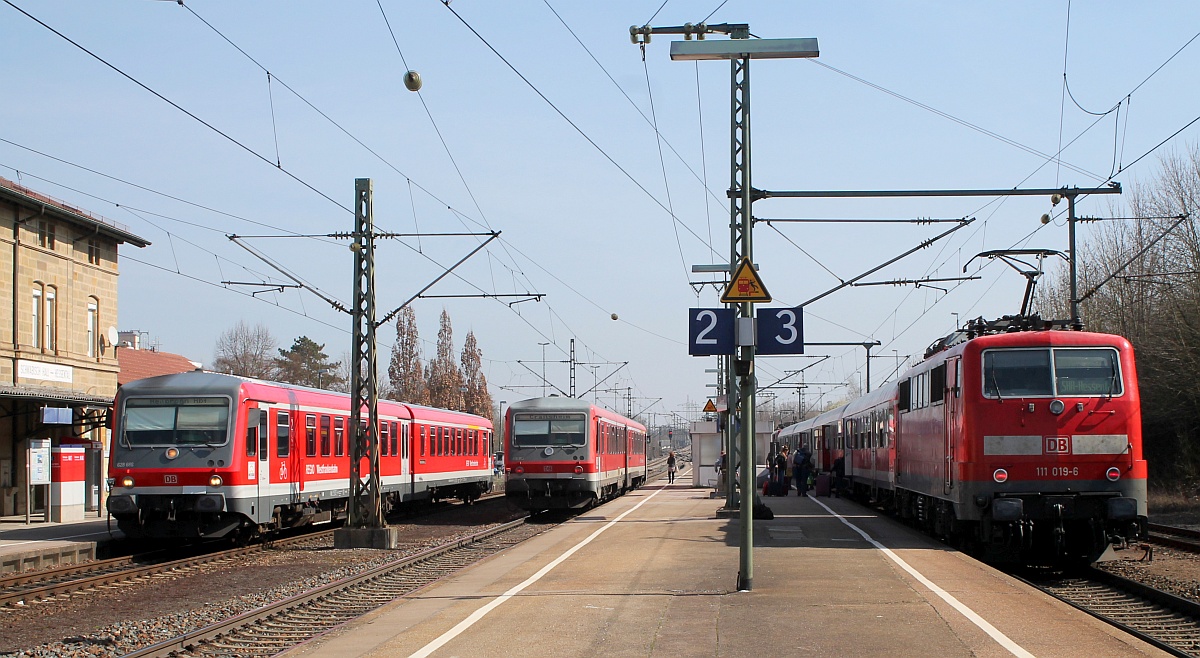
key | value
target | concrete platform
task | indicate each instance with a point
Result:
(36, 545)
(654, 573)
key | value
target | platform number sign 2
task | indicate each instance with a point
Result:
(780, 331)
(710, 331)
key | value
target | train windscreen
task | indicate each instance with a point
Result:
(175, 421)
(1071, 372)
(538, 430)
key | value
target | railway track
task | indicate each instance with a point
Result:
(1184, 539)
(1164, 620)
(29, 588)
(276, 627)
(25, 589)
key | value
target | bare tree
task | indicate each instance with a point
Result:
(246, 351)
(445, 380)
(406, 376)
(476, 398)
(1154, 302)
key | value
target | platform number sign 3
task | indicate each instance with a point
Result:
(710, 331)
(780, 331)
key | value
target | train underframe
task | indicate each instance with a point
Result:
(541, 494)
(1025, 528)
(205, 517)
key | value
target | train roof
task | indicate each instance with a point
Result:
(201, 383)
(562, 404)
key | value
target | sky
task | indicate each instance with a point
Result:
(603, 165)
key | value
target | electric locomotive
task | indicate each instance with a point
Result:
(202, 455)
(1023, 444)
(563, 453)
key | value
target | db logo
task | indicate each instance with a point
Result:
(170, 479)
(548, 469)
(1058, 444)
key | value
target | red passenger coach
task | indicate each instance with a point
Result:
(563, 453)
(205, 455)
(1025, 443)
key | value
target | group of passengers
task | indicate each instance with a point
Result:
(784, 467)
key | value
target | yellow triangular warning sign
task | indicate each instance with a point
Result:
(745, 286)
(710, 408)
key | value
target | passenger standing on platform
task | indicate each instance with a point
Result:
(671, 468)
(720, 466)
(800, 469)
(781, 479)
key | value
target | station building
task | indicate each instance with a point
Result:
(58, 361)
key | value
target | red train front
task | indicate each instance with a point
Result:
(562, 453)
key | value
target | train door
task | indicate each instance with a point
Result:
(623, 436)
(263, 481)
(403, 447)
(951, 411)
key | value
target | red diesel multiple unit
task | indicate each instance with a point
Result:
(205, 455)
(562, 453)
(1027, 444)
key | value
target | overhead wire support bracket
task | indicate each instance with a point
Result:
(269, 287)
(492, 236)
(924, 244)
(919, 283)
(236, 239)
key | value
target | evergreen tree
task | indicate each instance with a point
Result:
(307, 364)
(445, 380)
(476, 398)
(406, 376)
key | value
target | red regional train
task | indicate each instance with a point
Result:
(203, 456)
(1024, 444)
(563, 453)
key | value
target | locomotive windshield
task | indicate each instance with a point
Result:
(536, 430)
(1071, 372)
(175, 421)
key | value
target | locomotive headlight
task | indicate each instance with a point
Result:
(1000, 475)
(1113, 474)
(1057, 406)
(519, 470)
(127, 482)
(215, 481)
(578, 470)
(172, 453)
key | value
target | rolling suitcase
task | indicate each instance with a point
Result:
(822, 486)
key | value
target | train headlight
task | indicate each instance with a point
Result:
(578, 470)
(1057, 407)
(215, 481)
(1000, 475)
(172, 453)
(519, 470)
(127, 482)
(1113, 474)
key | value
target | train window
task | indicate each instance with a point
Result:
(441, 442)
(310, 435)
(176, 421)
(283, 434)
(1017, 373)
(937, 384)
(339, 436)
(539, 429)
(264, 438)
(903, 399)
(422, 440)
(325, 448)
(252, 432)
(384, 439)
(395, 439)
(1087, 372)
(458, 439)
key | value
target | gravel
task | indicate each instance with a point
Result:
(115, 620)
